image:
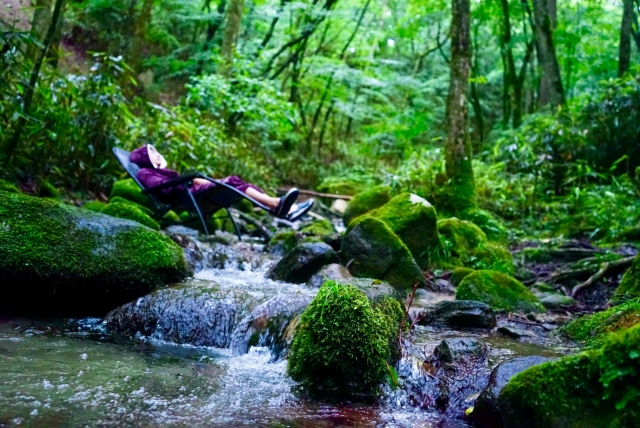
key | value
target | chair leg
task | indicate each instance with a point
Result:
(235, 225)
(195, 204)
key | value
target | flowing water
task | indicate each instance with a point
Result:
(77, 372)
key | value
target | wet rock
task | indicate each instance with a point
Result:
(332, 271)
(372, 250)
(366, 201)
(62, 260)
(498, 290)
(515, 333)
(181, 230)
(486, 412)
(302, 262)
(460, 314)
(284, 242)
(555, 300)
(450, 350)
(334, 240)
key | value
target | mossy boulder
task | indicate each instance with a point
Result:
(319, 228)
(489, 223)
(499, 291)
(372, 250)
(344, 343)
(302, 262)
(467, 245)
(121, 200)
(366, 201)
(58, 259)
(630, 284)
(459, 274)
(594, 389)
(130, 212)
(414, 220)
(128, 189)
(95, 206)
(284, 242)
(6, 186)
(592, 330)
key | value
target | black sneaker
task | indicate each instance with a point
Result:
(286, 202)
(303, 208)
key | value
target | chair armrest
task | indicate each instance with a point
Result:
(185, 178)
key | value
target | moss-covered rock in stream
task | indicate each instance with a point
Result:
(302, 262)
(499, 291)
(319, 228)
(130, 212)
(414, 220)
(372, 250)
(630, 284)
(8, 187)
(283, 242)
(467, 245)
(59, 259)
(128, 189)
(593, 329)
(594, 389)
(366, 201)
(344, 343)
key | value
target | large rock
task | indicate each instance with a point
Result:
(366, 201)
(460, 314)
(467, 245)
(59, 259)
(344, 342)
(630, 285)
(372, 250)
(414, 220)
(486, 412)
(499, 291)
(302, 262)
(595, 389)
(333, 271)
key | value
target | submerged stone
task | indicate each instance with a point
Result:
(499, 291)
(372, 250)
(459, 314)
(58, 259)
(302, 262)
(366, 201)
(451, 350)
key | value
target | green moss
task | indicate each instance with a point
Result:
(130, 212)
(94, 205)
(6, 186)
(340, 187)
(121, 200)
(467, 245)
(63, 258)
(343, 342)
(499, 291)
(366, 201)
(128, 189)
(593, 329)
(319, 228)
(372, 250)
(414, 220)
(594, 389)
(459, 274)
(48, 190)
(169, 218)
(630, 284)
(490, 225)
(285, 241)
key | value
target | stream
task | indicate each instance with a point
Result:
(80, 372)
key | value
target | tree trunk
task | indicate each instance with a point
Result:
(458, 154)
(39, 25)
(139, 35)
(509, 66)
(625, 38)
(548, 61)
(231, 31)
(54, 53)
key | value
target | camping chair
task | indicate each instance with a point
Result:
(203, 203)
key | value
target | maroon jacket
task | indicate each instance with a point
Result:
(150, 176)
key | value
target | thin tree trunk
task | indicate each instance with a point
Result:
(231, 31)
(139, 35)
(39, 25)
(458, 153)
(549, 67)
(29, 90)
(475, 98)
(508, 63)
(54, 53)
(624, 60)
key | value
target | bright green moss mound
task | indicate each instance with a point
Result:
(285, 241)
(366, 201)
(318, 228)
(630, 285)
(121, 200)
(128, 189)
(414, 220)
(459, 274)
(343, 342)
(372, 250)
(95, 206)
(593, 329)
(467, 245)
(499, 291)
(60, 259)
(490, 225)
(595, 389)
(130, 212)
(6, 186)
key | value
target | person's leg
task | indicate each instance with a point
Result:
(266, 199)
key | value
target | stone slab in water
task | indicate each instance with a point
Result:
(302, 262)
(459, 314)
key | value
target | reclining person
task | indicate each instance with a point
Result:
(153, 172)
